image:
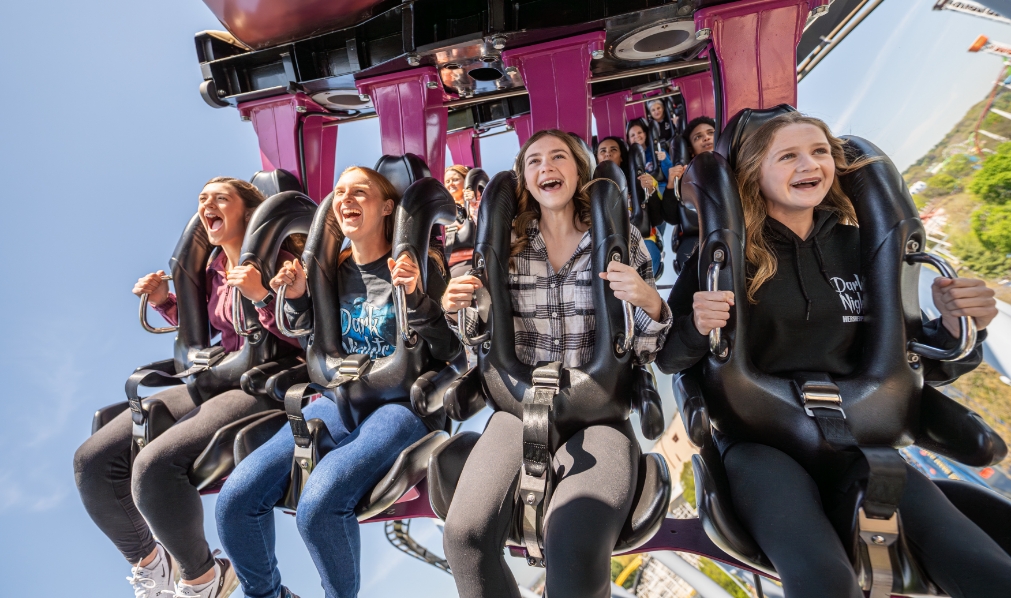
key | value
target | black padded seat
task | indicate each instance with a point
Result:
(407, 472)
(649, 508)
(272, 182)
(402, 171)
(218, 458)
(257, 433)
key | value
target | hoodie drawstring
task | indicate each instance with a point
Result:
(800, 277)
(821, 261)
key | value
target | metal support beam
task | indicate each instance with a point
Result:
(465, 147)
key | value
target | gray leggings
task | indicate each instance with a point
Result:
(157, 495)
(595, 473)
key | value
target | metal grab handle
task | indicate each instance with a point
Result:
(461, 329)
(966, 325)
(281, 319)
(143, 315)
(628, 311)
(716, 345)
(238, 319)
(675, 186)
(400, 309)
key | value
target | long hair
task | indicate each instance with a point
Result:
(757, 249)
(622, 148)
(527, 207)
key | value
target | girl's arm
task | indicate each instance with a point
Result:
(685, 345)
(425, 315)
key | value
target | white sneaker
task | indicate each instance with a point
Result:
(158, 576)
(224, 583)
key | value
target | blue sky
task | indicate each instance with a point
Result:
(105, 143)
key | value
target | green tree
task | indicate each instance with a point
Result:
(979, 259)
(992, 182)
(688, 483)
(992, 225)
(960, 166)
(941, 184)
(721, 577)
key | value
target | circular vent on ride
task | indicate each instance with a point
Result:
(665, 38)
(341, 99)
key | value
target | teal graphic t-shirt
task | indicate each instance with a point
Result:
(368, 321)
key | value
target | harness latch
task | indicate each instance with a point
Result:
(209, 357)
(534, 487)
(879, 535)
(817, 391)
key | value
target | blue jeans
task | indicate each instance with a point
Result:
(326, 511)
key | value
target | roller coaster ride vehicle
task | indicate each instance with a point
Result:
(813, 417)
(205, 368)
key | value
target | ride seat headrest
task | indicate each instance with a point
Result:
(272, 182)
(743, 125)
(477, 179)
(610, 170)
(592, 159)
(402, 171)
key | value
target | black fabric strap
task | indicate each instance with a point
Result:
(536, 419)
(293, 408)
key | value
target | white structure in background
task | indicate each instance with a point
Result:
(917, 187)
(972, 8)
(983, 44)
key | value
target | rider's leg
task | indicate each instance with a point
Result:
(326, 511)
(161, 485)
(596, 471)
(245, 506)
(481, 512)
(780, 506)
(957, 554)
(102, 473)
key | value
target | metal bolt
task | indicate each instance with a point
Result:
(597, 54)
(912, 246)
(299, 108)
(480, 263)
(432, 85)
(912, 357)
(718, 255)
(221, 93)
(530, 498)
(879, 540)
(364, 97)
(511, 70)
(498, 42)
(244, 117)
(703, 34)
(819, 10)
(486, 345)
(413, 60)
(304, 464)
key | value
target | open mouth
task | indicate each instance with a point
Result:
(214, 222)
(550, 185)
(350, 212)
(806, 183)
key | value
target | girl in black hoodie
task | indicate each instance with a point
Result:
(805, 291)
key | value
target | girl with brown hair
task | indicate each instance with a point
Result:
(550, 285)
(152, 498)
(806, 308)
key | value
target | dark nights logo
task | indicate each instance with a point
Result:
(851, 293)
(365, 329)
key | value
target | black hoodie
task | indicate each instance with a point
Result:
(808, 316)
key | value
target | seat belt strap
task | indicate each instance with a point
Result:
(537, 456)
(304, 456)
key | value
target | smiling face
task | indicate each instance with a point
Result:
(550, 172)
(798, 169)
(222, 213)
(359, 206)
(656, 111)
(702, 137)
(636, 134)
(454, 183)
(608, 150)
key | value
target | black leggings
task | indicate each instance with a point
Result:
(781, 506)
(595, 473)
(158, 492)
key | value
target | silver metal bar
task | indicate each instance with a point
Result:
(486, 97)
(651, 98)
(344, 121)
(282, 320)
(851, 24)
(648, 70)
(713, 284)
(238, 318)
(628, 311)
(143, 315)
(878, 535)
(966, 325)
(400, 309)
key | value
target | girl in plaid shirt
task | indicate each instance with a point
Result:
(550, 279)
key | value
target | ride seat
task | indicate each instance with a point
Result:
(272, 182)
(649, 507)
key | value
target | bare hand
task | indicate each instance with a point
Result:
(647, 182)
(154, 286)
(460, 293)
(675, 172)
(956, 297)
(629, 286)
(404, 273)
(249, 282)
(291, 274)
(468, 195)
(711, 309)
(661, 156)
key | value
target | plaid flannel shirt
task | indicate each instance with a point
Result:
(553, 312)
